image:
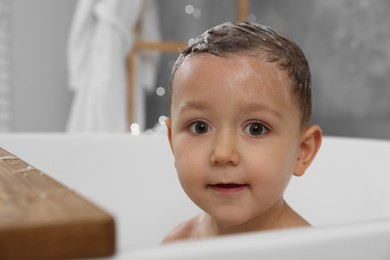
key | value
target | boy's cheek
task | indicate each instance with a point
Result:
(187, 153)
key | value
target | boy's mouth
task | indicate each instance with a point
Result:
(227, 188)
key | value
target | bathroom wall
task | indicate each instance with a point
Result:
(40, 97)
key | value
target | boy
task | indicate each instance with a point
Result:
(238, 130)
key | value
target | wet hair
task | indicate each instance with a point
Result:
(245, 38)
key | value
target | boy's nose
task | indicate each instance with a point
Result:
(225, 152)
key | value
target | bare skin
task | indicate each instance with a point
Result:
(203, 226)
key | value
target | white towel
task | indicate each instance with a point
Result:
(99, 41)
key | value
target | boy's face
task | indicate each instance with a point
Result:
(235, 134)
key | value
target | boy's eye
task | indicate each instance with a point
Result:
(256, 129)
(199, 127)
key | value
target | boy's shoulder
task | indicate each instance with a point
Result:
(183, 231)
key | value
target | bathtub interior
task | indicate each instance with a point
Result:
(358, 241)
(133, 178)
(349, 181)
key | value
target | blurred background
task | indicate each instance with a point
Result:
(43, 46)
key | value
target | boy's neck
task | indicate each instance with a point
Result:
(279, 216)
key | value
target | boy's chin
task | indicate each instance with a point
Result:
(231, 220)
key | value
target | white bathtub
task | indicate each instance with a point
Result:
(345, 194)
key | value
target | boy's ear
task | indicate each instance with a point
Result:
(308, 148)
(168, 123)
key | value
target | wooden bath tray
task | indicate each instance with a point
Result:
(42, 219)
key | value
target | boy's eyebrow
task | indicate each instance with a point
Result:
(195, 105)
(247, 108)
(251, 107)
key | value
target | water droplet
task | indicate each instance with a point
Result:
(8, 157)
(160, 91)
(197, 13)
(189, 9)
(162, 119)
(134, 129)
(252, 18)
(24, 171)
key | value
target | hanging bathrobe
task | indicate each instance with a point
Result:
(99, 42)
